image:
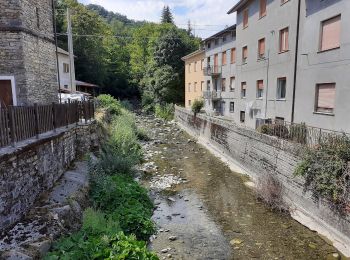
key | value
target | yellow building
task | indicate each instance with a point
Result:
(194, 77)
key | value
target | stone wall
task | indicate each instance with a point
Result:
(27, 50)
(257, 154)
(34, 166)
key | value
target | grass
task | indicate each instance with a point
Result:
(119, 222)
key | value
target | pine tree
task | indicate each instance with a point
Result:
(167, 16)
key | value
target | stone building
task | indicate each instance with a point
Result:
(28, 70)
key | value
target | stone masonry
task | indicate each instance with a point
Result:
(27, 49)
(34, 166)
(257, 154)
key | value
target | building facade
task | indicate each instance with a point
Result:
(28, 69)
(67, 77)
(323, 88)
(220, 73)
(194, 77)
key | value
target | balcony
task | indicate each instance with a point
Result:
(213, 71)
(213, 95)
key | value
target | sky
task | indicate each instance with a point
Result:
(207, 16)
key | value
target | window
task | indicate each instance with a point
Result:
(65, 86)
(232, 84)
(65, 67)
(261, 48)
(224, 58)
(262, 11)
(284, 42)
(281, 88)
(224, 38)
(223, 105)
(243, 89)
(245, 18)
(242, 116)
(223, 85)
(202, 64)
(189, 102)
(259, 89)
(244, 54)
(195, 87)
(208, 45)
(195, 66)
(208, 85)
(189, 68)
(232, 107)
(325, 98)
(189, 87)
(208, 61)
(279, 120)
(233, 55)
(330, 38)
(202, 85)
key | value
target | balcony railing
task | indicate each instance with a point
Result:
(213, 95)
(212, 71)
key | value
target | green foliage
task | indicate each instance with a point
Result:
(112, 105)
(326, 170)
(165, 112)
(278, 130)
(126, 201)
(197, 106)
(298, 133)
(126, 104)
(167, 16)
(142, 135)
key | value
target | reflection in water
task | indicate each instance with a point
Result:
(221, 217)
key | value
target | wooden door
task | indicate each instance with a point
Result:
(6, 98)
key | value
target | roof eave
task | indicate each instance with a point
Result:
(238, 6)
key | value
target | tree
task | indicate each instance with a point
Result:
(189, 28)
(167, 16)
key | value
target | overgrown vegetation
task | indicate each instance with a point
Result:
(270, 190)
(119, 222)
(296, 132)
(165, 112)
(326, 169)
(197, 106)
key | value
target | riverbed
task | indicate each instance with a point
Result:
(206, 211)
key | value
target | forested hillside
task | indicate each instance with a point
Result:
(127, 58)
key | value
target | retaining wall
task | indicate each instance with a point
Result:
(33, 167)
(257, 154)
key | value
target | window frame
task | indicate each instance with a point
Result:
(223, 85)
(224, 54)
(280, 40)
(234, 87)
(233, 50)
(262, 15)
(245, 12)
(316, 107)
(242, 117)
(244, 90)
(278, 97)
(258, 90)
(261, 57)
(244, 60)
(321, 34)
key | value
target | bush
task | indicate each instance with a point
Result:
(109, 103)
(147, 103)
(326, 169)
(270, 190)
(126, 201)
(298, 133)
(165, 112)
(278, 130)
(197, 106)
(126, 104)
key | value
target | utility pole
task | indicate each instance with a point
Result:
(71, 52)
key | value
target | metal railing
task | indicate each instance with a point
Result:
(21, 123)
(212, 71)
(301, 133)
(213, 95)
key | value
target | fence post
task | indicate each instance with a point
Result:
(77, 112)
(36, 119)
(54, 119)
(85, 111)
(66, 113)
(12, 125)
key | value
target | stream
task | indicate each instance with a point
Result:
(206, 211)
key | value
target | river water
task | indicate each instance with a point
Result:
(206, 211)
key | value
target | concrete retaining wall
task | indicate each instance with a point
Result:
(256, 154)
(34, 166)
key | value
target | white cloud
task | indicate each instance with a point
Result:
(208, 16)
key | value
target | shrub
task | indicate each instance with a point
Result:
(147, 103)
(109, 103)
(197, 106)
(298, 133)
(326, 170)
(165, 112)
(126, 201)
(126, 104)
(278, 130)
(142, 134)
(270, 190)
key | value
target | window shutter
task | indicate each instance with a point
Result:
(233, 55)
(330, 34)
(262, 8)
(326, 96)
(245, 18)
(244, 85)
(260, 84)
(224, 58)
(261, 47)
(245, 52)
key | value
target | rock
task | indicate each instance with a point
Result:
(334, 256)
(165, 250)
(171, 199)
(15, 255)
(172, 238)
(42, 247)
(176, 214)
(236, 241)
(186, 200)
(161, 230)
(312, 245)
(167, 230)
(169, 256)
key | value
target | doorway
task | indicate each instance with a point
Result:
(7, 92)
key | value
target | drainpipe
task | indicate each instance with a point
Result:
(296, 61)
(55, 35)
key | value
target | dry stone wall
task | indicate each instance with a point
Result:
(258, 154)
(34, 166)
